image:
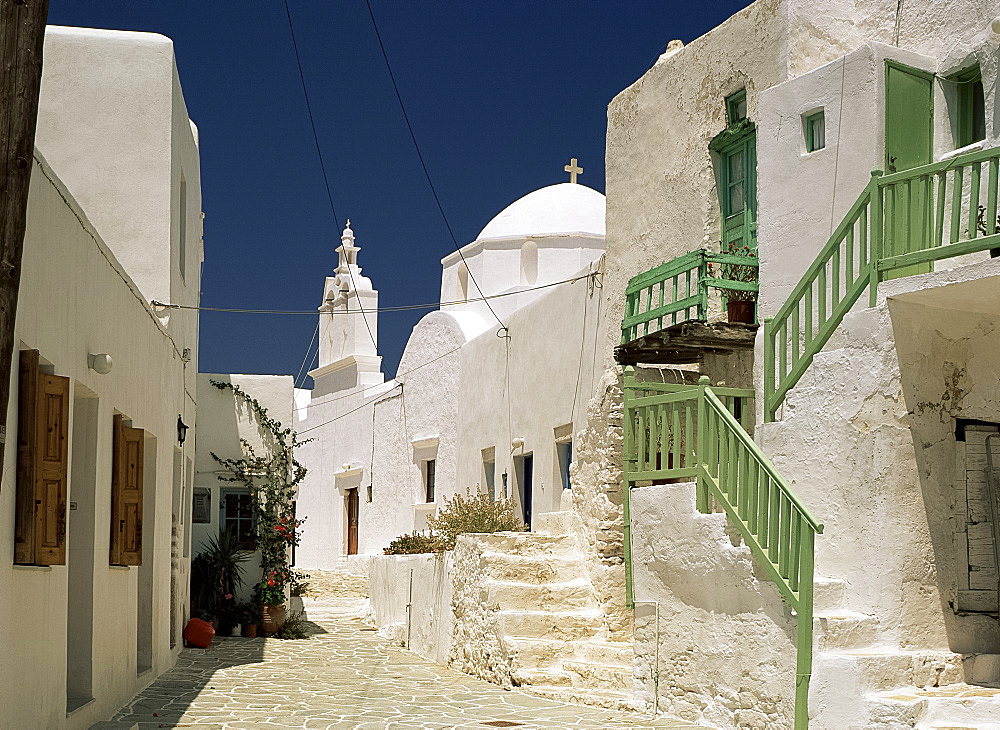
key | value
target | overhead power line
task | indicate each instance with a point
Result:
(398, 308)
(423, 164)
(322, 165)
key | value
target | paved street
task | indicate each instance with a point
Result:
(343, 676)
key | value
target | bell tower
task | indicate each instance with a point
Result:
(348, 325)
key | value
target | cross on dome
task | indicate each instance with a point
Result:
(573, 169)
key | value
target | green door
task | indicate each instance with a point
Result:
(739, 193)
(909, 131)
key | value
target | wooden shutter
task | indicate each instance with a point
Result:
(42, 460)
(126, 494)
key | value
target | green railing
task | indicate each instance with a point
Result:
(900, 225)
(677, 291)
(693, 432)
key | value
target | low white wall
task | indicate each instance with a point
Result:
(428, 628)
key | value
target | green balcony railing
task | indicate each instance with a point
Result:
(899, 226)
(701, 433)
(677, 291)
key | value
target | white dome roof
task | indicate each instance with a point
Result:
(563, 208)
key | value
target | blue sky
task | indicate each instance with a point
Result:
(500, 94)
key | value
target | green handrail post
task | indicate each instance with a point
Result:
(803, 650)
(876, 237)
(769, 408)
(629, 463)
(703, 286)
(701, 488)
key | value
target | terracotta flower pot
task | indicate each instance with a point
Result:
(741, 311)
(272, 619)
(250, 631)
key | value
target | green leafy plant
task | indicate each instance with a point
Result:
(472, 513)
(217, 573)
(414, 544)
(736, 271)
(271, 477)
(295, 627)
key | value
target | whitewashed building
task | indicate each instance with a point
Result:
(477, 404)
(95, 568)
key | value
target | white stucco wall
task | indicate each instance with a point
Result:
(223, 425)
(425, 583)
(76, 298)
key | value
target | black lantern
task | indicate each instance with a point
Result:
(182, 429)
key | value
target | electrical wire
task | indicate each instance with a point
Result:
(398, 308)
(423, 164)
(322, 165)
(306, 357)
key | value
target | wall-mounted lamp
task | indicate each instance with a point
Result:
(100, 363)
(517, 443)
(182, 430)
(995, 25)
(186, 354)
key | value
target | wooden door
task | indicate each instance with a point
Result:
(352, 521)
(909, 136)
(126, 494)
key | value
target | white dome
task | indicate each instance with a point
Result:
(556, 209)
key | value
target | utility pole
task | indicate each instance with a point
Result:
(22, 32)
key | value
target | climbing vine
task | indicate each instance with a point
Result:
(271, 478)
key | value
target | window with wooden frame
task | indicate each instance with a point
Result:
(736, 107)
(815, 127)
(237, 517)
(430, 467)
(971, 106)
(126, 493)
(42, 459)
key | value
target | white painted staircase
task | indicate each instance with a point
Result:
(551, 626)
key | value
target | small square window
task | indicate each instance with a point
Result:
(736, 107)
(237, 517)
(815, 131)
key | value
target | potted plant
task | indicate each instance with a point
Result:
(272, 600)
(216, 574)
(741, 305)
(249, 614)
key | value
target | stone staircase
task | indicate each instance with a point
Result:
(550, 624)
(865, 674)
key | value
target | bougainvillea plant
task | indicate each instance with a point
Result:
(272, 478)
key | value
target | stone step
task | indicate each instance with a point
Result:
(952, 707)
(603, 676)
(828, 594)
(531, 568)
(564, 625)
(553, 523)
(607, 652)
(551, 677)
(540, 653)
(844, 630)
(526, 543)
(563, 596)
(608, 699)
(883, 668)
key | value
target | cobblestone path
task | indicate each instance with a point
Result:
(343, 676)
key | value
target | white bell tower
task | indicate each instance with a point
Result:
(348, 326)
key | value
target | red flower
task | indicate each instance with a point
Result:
(270, 582)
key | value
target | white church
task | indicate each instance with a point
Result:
(489, 391)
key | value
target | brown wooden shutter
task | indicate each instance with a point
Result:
(24, 494)
(42, 460)
(51, 447)
(126, 494)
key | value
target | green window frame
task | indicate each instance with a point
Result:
(971, 107)
(736, 107)
(815, 125)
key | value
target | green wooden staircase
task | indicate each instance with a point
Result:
(899, 225)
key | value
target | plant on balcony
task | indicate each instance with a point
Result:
(272, 478)
(740, 304)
